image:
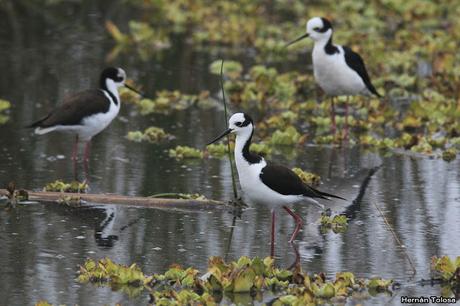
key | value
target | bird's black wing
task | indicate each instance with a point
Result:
(286, 182)
(355, 62)
(75, 108)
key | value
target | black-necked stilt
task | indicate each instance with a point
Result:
(86, 113)
(267, 183)
(338, 70)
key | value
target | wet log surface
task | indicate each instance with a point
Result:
(108, 198)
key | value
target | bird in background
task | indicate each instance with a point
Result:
(86, 113)
(267, 183)
(338, 70)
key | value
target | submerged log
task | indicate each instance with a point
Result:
(106, 198)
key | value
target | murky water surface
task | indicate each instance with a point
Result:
(42, 244)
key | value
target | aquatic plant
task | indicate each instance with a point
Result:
(449, 154)
(447, 269)
(185, 152)
(168, 101)
(72, 201)
(243, 276)
(142, 38)
(15, 196)
(219, 150)
(60, 186)
(105, 270)
(288, 137)
(336, 223)
(4, 107)
(420, 82)
(151, 134)
(308, 178)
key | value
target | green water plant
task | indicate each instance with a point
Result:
(244, 276)
(4, 107)
(106, 271)
(15, 196)
(308, 178)
(290, 136)
(72, 201)
(219, 150)
(447, 269)
(336, 223)
(449, 154)
(185, 152)
(61, 186)
(167, 101)
(151, 134)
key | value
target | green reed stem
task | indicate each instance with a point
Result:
(229, 153)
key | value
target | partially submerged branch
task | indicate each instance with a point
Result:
(123, 200)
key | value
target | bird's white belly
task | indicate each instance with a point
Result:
(334, 76)
(91, 125)
(95, 124)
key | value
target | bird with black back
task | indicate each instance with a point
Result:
(86, 113)
(338, 70)
(267, 183)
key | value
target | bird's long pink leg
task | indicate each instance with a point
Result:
(74, 151)
(298, 223)
(74, 156)
(333, 126)
(345, 136)
(272, 246)
(86, 156)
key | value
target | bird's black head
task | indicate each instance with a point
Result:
(240, 124)
(117, 75)
(318, 29)
(326, 25)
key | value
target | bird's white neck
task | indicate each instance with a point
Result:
(112, 88)
(322, 42)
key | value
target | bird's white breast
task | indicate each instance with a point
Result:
(333, 74)
(94, 124)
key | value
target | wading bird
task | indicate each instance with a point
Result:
(338, 70)
(88, 112)
(267, 183)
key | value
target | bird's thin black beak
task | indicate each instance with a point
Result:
(220, 136)
(297, 39)
(134, 89)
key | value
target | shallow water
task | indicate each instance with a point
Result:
(42, 244)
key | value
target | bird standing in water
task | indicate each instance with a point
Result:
(86, 113)
(267, 183)
(338, 70)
